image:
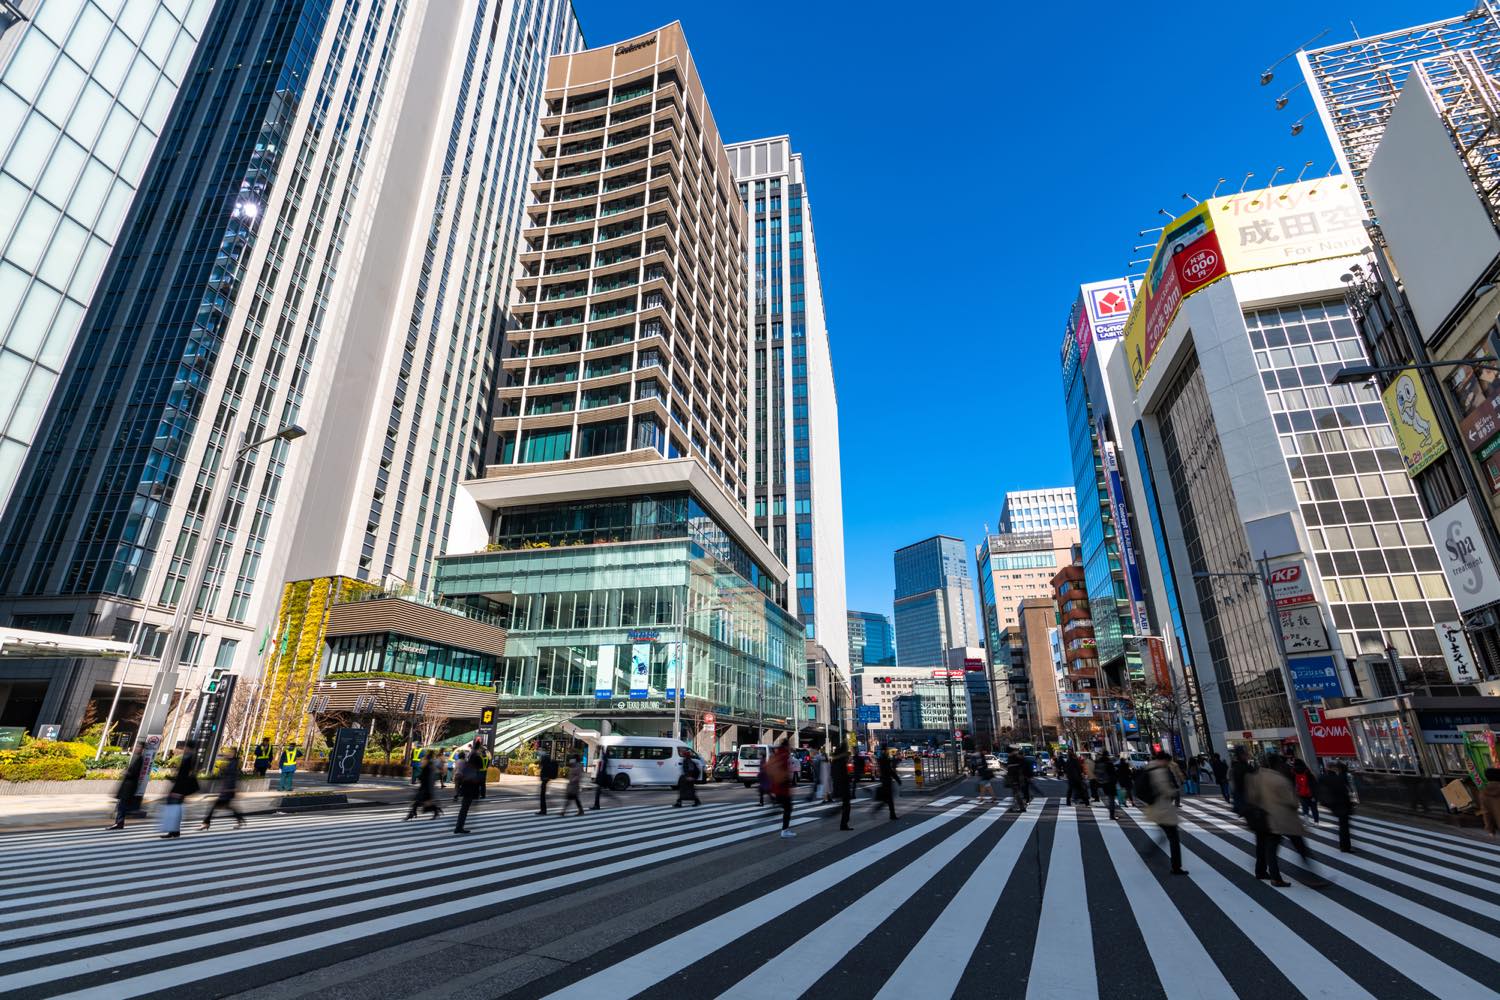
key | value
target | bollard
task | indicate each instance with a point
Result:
(919, 771)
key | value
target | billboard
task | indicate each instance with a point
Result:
(1330, 737)
(1466, 557)
(1297, 607)
(640, 670)
(1457, 652)
(1124, 535)
(1154, 660)
(1291, 224)
(1315, 677)
(604, 672)
(1075, 705)
(1410, 412)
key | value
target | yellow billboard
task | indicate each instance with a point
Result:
(1412, 419)
(1252, 231)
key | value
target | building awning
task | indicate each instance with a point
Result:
(24, 644)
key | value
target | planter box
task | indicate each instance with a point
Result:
(83, 786)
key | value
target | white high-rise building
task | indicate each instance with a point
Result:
(796, 491)
(85, 89)
(1039, 510)
(333, 249)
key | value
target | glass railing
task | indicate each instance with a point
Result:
(621, 96)
(564, 293)
(588, 105)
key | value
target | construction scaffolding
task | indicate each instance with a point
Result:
(1468, 101)
(1355, 83)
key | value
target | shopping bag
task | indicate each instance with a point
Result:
(170, 818)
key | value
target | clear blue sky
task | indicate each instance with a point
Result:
(965, 176)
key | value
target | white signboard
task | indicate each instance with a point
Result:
(1466, 557)
(604, 673)
(1458, 653)
(1302, 629)
(1075, 705)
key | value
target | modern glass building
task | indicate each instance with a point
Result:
(934, 602)
(85, 88)
(1038, 510)
(797, 492)
(328, 248)
(872, 641)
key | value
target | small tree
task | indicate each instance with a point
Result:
(432, 725)
(390, 717)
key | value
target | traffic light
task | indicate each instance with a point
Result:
(215, 680)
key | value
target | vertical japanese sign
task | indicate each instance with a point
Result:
(640, 670)
(1297, 607)
(604, 672)
(1124, 535)
(1457, 652)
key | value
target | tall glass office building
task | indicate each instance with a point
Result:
(934, 602)
(872, 641)
(327, 248)
(85, 88)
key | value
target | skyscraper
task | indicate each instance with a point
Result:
(1039, 510)
(872, 641)
(612, 526)
(934, 602)
(794, 422)
(327, 249)
(1015, 566)
(84, 94)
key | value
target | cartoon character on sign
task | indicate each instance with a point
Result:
(1406, 406)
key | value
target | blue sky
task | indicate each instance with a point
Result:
(965, 176)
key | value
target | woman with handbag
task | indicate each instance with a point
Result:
(184, 785)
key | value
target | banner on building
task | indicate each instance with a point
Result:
(604, 672)
(1075, 705)
(1124, 534)
(1410, 412)
(640, 670)
(1457, 652)
(1154, 659)
(1291, 224)
(1330, 737)
(1466, 557)
(674, 670)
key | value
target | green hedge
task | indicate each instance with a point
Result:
(43, 769)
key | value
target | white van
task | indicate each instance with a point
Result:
(647, 760)
(752, 757)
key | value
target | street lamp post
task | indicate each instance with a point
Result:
(187, 600)
(1299, 720)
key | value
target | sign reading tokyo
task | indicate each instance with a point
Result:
(1292, 224)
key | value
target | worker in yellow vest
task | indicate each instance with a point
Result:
(288, 766)
(416, 764)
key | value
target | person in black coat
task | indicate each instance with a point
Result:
(601, 776)
(1221, 774)
(1334, 795)
(229, 786)
(1073, 771)
(1239, 770)
(426, 797)
(1125, 778)
(1104, 773)
(469, 779)
(889, 779)
(843, 785)
(184, 786)
(128, 794)
(546, 769)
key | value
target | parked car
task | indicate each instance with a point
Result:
(726, 766)
(749, 758)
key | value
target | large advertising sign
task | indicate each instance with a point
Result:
(1076, 705)
(1410, 412)
(604, 673)
(1302, 628)
(1154, 660)
(1466, 557)
(1124, 534)
(1330, 737)
(640, 670)
(1292, 224)
(1315, 678)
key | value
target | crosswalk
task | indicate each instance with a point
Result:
(956, 899)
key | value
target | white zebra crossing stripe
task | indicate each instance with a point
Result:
(1062, 962)
(937, 962)
(1458, 931)
(645, 969)
(1395, 951)
(682, 844)
(800, 966)
(1182, 963)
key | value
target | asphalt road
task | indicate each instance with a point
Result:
(640, 899)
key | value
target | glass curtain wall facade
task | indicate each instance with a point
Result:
(934, 602)
(1383, 579)
(85, 90)
(872, 640)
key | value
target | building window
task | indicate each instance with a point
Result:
(550, 445)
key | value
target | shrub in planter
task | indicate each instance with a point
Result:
(44, 769)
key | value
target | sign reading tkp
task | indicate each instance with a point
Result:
(1290, 585)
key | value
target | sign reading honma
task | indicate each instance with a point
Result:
(1466, 557)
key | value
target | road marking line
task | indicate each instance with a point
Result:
(1062, 962)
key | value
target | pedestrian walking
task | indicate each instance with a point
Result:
(1220, 771)
(1087, 763)
(687, 781)
(444, 768)
(1104, 773)
(1239, 772)
(1073, 771)
(128, 792)
(1306, 788)
(184, 787)
(1017, 778)
(889, 779)
(763, 783)
(1156, 787)
(1272, 799)
(1125, 779)
(468, 783)
(1335, 796)
(778, 772)
(986, 782)
(575, 785)
(229, 787)
(458, 758)
(1489, 801)
(288, 765)
(601, 777)
(546, 769)
(426, 797)
(840, 776)
(825, 777)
